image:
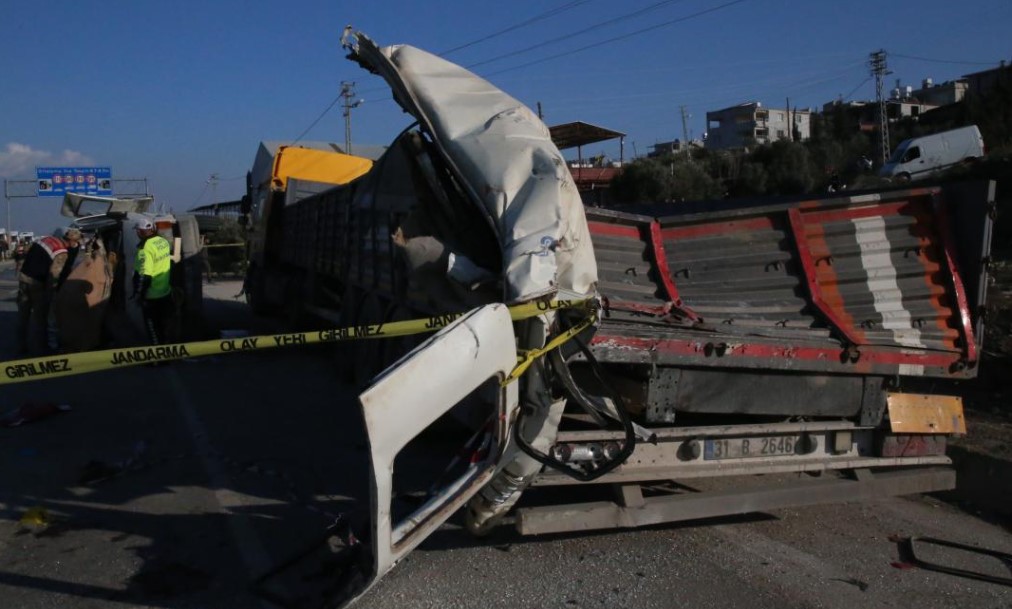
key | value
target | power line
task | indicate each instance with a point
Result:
(854, 90)
(532, 20)
(968, 63)
(591, 28)
(622, 37)
(792, 83)
(318, 118)
(550, 13)
(583, 48)
(207, 184)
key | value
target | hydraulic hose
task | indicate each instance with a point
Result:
(624, 419)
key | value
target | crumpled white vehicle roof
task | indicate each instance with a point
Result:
(503, 154)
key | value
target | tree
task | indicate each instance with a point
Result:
(787, 166)
(691, 182)
(643, 180)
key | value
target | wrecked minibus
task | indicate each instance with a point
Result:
(92, 308)
(737, 338)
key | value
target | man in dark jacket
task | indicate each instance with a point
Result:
(42, 272)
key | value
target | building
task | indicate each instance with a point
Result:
(930, 94)
(750, 123)
(898, 109)
(662, 148)
(980, 83)
(863, 116)
(592, 176)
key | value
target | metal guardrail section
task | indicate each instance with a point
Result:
(864, 284)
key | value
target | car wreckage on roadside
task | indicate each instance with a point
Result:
(732, 339)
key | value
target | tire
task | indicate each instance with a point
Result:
(903, 178)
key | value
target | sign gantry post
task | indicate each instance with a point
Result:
(58, 181)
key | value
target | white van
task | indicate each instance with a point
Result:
(919, 157)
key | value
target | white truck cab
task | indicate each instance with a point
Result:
(920, 157)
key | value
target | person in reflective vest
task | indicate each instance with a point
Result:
(151, 281)
(44, 267)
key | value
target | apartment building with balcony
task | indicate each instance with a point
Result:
(750, 124)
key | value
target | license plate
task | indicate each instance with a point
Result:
(745, 448)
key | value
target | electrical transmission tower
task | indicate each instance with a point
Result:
(877, 62)
(347, 94)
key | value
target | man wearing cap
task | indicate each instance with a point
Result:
(151, 281)
(46, 264)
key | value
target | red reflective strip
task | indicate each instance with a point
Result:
(948, 242)
(927, 229)
(715, 228)
(613, 230)
(736, 349)
(811, 280)
(662, 268)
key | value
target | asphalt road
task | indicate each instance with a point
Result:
(229, 465)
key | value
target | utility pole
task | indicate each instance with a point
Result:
(7, 196)
(347, 93)
(685, 134)
(788, 114)
(877, 62)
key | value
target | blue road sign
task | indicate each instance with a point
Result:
(58, 181)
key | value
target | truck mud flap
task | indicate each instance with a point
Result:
(466, 361)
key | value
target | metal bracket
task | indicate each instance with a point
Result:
(873, 402)
(662, 391)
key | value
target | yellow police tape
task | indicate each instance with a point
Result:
(39, 368)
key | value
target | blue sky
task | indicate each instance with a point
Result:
(177, 91)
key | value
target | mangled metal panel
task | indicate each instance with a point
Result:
(881, 270)
(484, 341)
(863, 284)
(80, 206)
(503, 157)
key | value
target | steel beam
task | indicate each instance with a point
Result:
(674, 508)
